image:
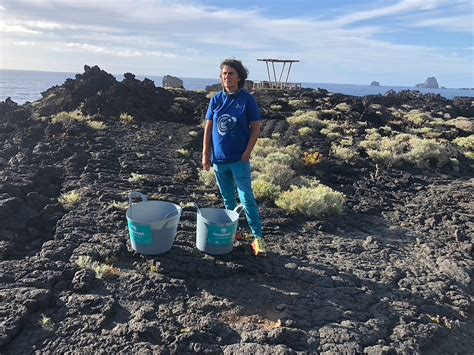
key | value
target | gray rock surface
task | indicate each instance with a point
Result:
(392, 274)
(172, 82)
(430, 83)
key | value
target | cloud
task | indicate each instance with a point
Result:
(17, 29)
(24, 43)
(85, 47)
(44, 25)
(405, 6)
(451, 24)
(168, 34)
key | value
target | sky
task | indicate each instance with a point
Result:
(394, 42)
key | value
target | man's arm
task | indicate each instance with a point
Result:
(255, 133)
(206, 146)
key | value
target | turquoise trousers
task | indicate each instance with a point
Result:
(232, 176)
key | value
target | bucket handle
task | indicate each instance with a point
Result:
(197, 207)
(171, 214)
(239, 208)
(136, 195)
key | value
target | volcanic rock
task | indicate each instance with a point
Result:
(430, 83)
(172, 82)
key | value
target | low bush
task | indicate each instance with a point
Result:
(305, 131)
(298, 104)
(100, 270)
(137, 178)
(70, 199)
(306, 118)
(184, 152)
(406, 148)
(343, 153)
(276, 173)
(208, 178)
(417, 117)
(311, 201)
(69, 117)
(465, 142)
(312, 159)
(343, 107)
(96, 125)
(265, 190)
(127, 118)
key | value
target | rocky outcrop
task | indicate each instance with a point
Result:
(172, 82)
(374, 83)
(430, 83)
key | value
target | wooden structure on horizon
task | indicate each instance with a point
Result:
(273, 82)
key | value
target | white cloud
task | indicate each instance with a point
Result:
(171, 34)
(405, 6)
(24, 43)
(451, 24)
(2, 8)
(17, 29)
(85, 47)
(44, 25)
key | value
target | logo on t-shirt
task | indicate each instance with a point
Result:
(225, 124)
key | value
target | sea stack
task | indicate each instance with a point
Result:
(430, 83)
(374, 83)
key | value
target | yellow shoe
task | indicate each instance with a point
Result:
(258, 247)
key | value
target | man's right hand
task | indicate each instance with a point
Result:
(206, 162)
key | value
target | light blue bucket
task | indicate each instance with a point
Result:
(152, 224)
(216, 228)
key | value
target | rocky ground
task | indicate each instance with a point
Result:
(392, 274)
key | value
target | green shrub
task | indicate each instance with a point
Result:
(311, 201)
(101, 270)
(127, 118)
(70, 199)
(121, 206)
(137, 178)
(407, 148)
(277, 157)
(343, 153)
(208, 178)
(462, 123)
(298, 104)
(184, 152)
(305, 131)
(417, 118)
(276, 173)
(276, 107)
(46, 322)
(265, 190)
(308, 118)
(465, 142)
(469, 155)
(424, 150)
(266, 146)
(69, 117)
(96, 125)
(312, 159)
(343, 107)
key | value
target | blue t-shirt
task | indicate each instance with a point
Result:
(232, 114)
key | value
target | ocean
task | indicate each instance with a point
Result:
(24, 85)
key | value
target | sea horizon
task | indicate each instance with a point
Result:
(27, 85)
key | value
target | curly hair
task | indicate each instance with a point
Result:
(239, 68)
